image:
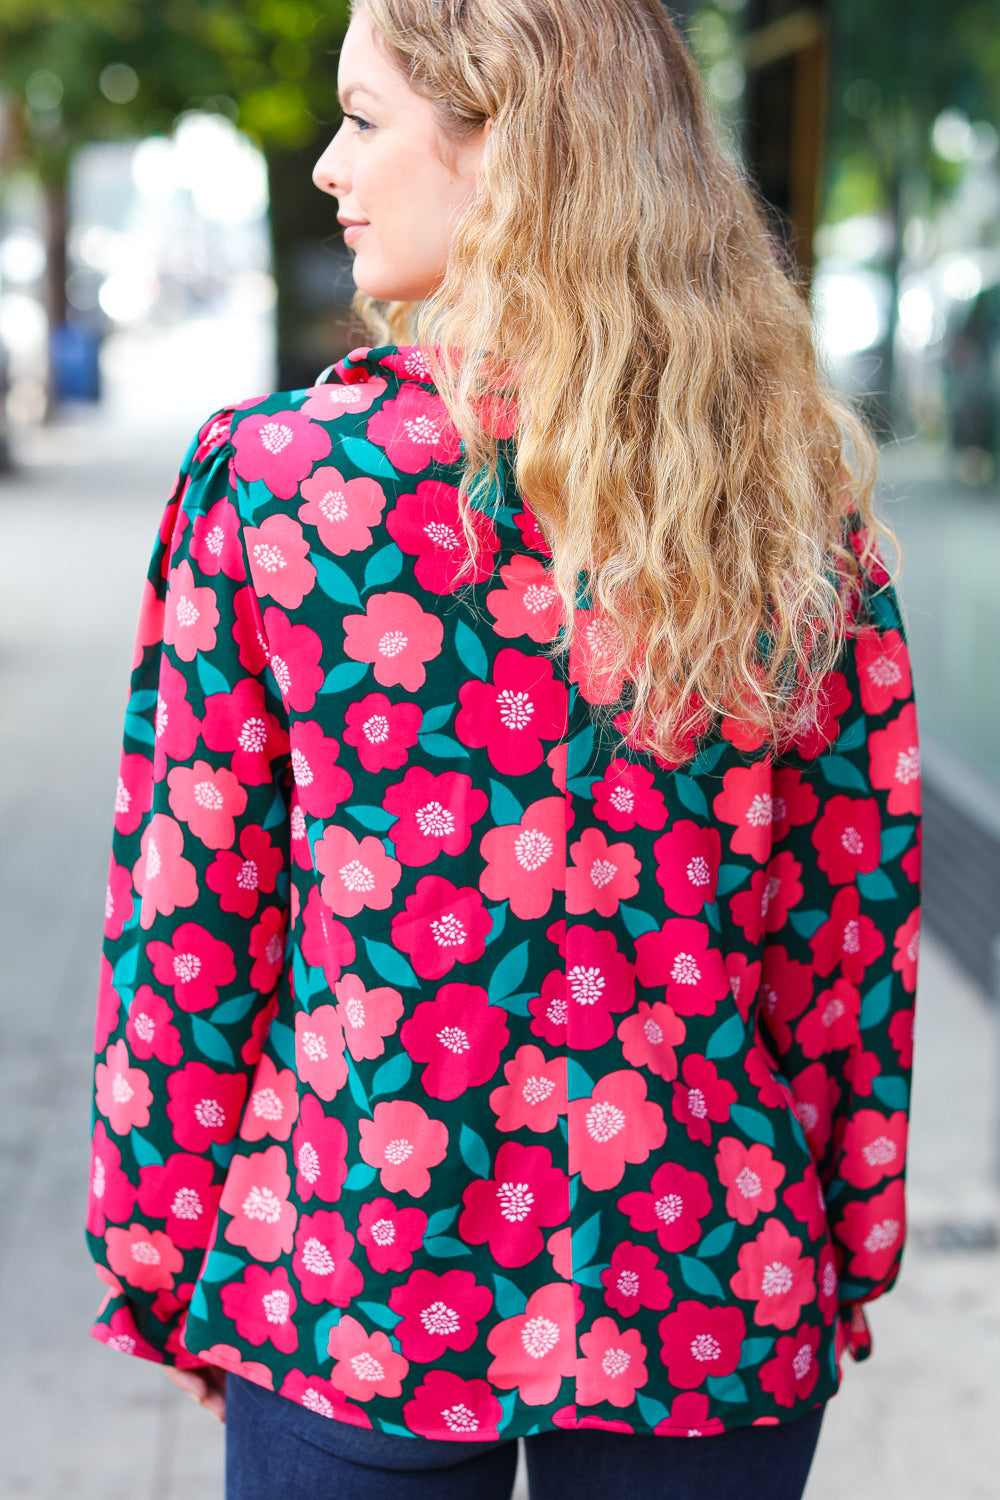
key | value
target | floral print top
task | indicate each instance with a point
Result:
(461, 1071)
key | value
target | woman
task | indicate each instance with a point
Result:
(512, 919)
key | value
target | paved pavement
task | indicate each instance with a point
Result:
(917, 1422)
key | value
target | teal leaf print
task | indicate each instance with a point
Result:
(652, 1412)
(324, 1328)
(586, 1240)
(691, 795)
(754, 1351)
(895, 840)
(508, 1403)
(637, 922)
(441, 1221)
(209, 1040)
(727, 1039)
(510, 1300)
(590, 1275)
(223, 1155)
(508, 974)
(716, 1240)
(474, 1152)
(712, 916)
(517, 1005)
(580, 751)
(731, 877)
(355, 1085)
(220, 1266)
(578, 1080)
(853, 737)
(807, 922)
(709, 758)
(726, 1388)
(210, 678)
(700, 1278)
(471, 651)
(442, 746)
(504, 806)
(375, 818)
(444, 1247)
(875, 1005)
(126, 967)
(841, 772)
(582, 786)
(436, 718)
(198, 1308)
(892, 1091)
(393, 1076)
(277, 812)
(390, 965)
(235, 1009)
(380, 1315)
(334, 582)
(499, 915)
(360, 1177)
(282, 1039)
(877, 886)
(142, 700)
(144, 1152)
(345, 676)
(386, 565)
(140, 729)
(366, 457)
(752, 1123)
(394, 1429)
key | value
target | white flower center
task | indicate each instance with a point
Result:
(270, 559)
(392, 643)
(383, 1232)
(697, 1104)
(145, 1028)
(615, 1362)
(439, 1318)
(669, 1208)
(652, 1032)
(187, 966)
(704, 1348)
(698, 871)
(253, 735)
(449, 932)
(535, 1090)
(441, 535)
(99, 1180)
(908, 765)
(307, 1161)
(186, 1204)
(515, 709)
(367, 1367)
(263, 1205)
(153, 862)
(884, 672)
(376, 729)
(354, 1010)
(145, 1253)
(398, 1151)
(459, 1418)
(422, 431)
(748, 1183)
(334, 505)
(515, 1200)
(776, 1280)
(538, 596)
(275, 437)
(315, 1401)
(267, 1105)
(454, 1038)
(882, 1236)
(532, 848)
(852, 937)
(121, 1090)
(833, 1012)
(539, 1336)
(249, 876)
(316, 1258)
(628, 1283)
(602, 872)
(760, 812)
(852, 841)
(435, 821)
(356, 876)
(188, 613)
(314, 1046)
(622, 799)
(586, 985)
(301, 769)
(210, 1113)
(277, 1305)
(604, 1120)
(685, 969)
(123, 797)
(215, 541)
(802, 1362)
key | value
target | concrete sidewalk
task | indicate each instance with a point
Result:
(917, 1422)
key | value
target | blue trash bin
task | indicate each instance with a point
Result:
(73, 351)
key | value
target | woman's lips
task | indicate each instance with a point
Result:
(352, 232)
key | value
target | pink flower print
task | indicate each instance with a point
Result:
(279, 565)
(273, 1106)
(751, 1175)
(874, 1231)
(227, 1358)
(509, 1210)
(907, 944)
(873, 1147)
(702, 1097)
(526, 861)
(189, 615)
(149, 631)
(145, 1258)
(807, 1203)
(213, 435)
(163, 877)
(679, 957)
(319, 1051)
(148, 1029)
(342, 510)
(861, 1068)
(415, 430)
(295, 660)
(447, 1407)
(649, 1036)
(510, 716)
(895, 762)
(535, 1351)
(531, 533)
(560, 1247)
(390, 1235)
(216, 545)
(321, 784)
(848, 838)
(298, 835)
(792, 1374)
(183, 1194)
(700, 1341)
(764, 907)
(528, 604)
(459, 1035)
(123, 1334)
(238, 879)
(367, 1016)
(357, 873)
(205, 1106)
(612, 1364)
(111, 1195)
(118, 903)
(634, 1280)
(761, 1069)
(248, 632)
(238, 723)
(847, 940)
(601, 875)
(382, 732)
(672, 1209)
(687, 866)
(439, 1313)
(319, 1151)
(108, 1006)
(832, 1023)
(262, 1305)
(321, 1397)
(774, 1276)
(598, 979)
(626, 797)
(901, 1036)
(134, 793)
(594, 650)
(689, 1418)
(911, 860)
(267, 946)
(551, 1011)
(744, 981)
(816, 1095)
(328, 401)
(322, 1260)
(326, 943)
(615, 1125)
(403, 1142)
(441, 926)
(280, 448)
(793, 802)
(883, 669)
(366, 1364)
(176, 726)
(397, 636)
(256, 1195)
(429, 526)
(208, 801)
(786, 991)
(194, 964)
(435, 814)
(835, 699)
(534, 1095)
(746, 801)
(123, 1092)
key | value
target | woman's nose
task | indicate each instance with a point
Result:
(329, 174)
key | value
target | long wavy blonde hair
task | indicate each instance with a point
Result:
(674, 436)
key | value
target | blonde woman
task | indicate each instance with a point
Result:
(512, 923)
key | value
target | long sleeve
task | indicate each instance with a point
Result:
(196, 911)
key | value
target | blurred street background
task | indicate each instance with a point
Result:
(163, 253)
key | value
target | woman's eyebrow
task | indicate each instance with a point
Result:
(358, 88)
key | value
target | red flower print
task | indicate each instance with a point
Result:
(296, 654)
(847, 939)
(123, 1334)
(390, 1234)
(459, 1035)
(441, 926)
(194, 964)
(328, 401)
(118, 903)
(901, 1037)
(205, 1106)
(148, 1029)
(786, 991)
(873, 1147)
(649, 1036)
(397, 636)
(510, 716)
(883, 669)
(526, 861)
(560, 1247)
(176, 725)
(509, 1210)
(322, 1260)
(689, 1417)
(615, 1125)
(744, 981)
(161, 874)
(342, 510)
(907, 944)
(261, 1305)
(834, 700)
(792, 1374)
(746, 801)
(895, 762)
(319, 1396)
(439, 1313)
(415, 430)
(134, 793)
(699, 1341)
(248, 632)
(239, 723)
(267, 946)
(793, 802)
(320, 783)
(832, 1023)
(703, 1096)
(108, 1006)
(534, 1095)
(273, 1106)
(531, 533)
(256, 1195)
(112, 1195)
(319, 1151)
(816, 1095)
(189, 614)
(298, 834)
(319, 1051)
(215, 542)
(435, 814)
(145, 1258)
(751, 1175)
(238, 879)
(528, 604)
(123, 1092)
(807, 1203)
(679, 957)
(357, 873)
(278, 554)
(403, 1142)
(366, 1364)
(672, 1209)
(687, 866)
(447, 1407)
(182, 1193)
(536, 1350)
(848, 838)
(774, 1275)
(773, 892)
(382, 732)
(429, 526)
(861, 1068)
(149, 630)
(593, 652)
(874, 1230)
(600, 876)
(279, 447)
(550, 1011)
(625, 796)
(596, 980)
(760, 1069)
(227, 1358)
(911, 860)
(326, 943)
(634, 1280)
(611, 1367)
(367, 1016)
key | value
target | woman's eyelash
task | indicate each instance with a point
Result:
(358, 121)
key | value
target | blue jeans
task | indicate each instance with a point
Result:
(278, 1450)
